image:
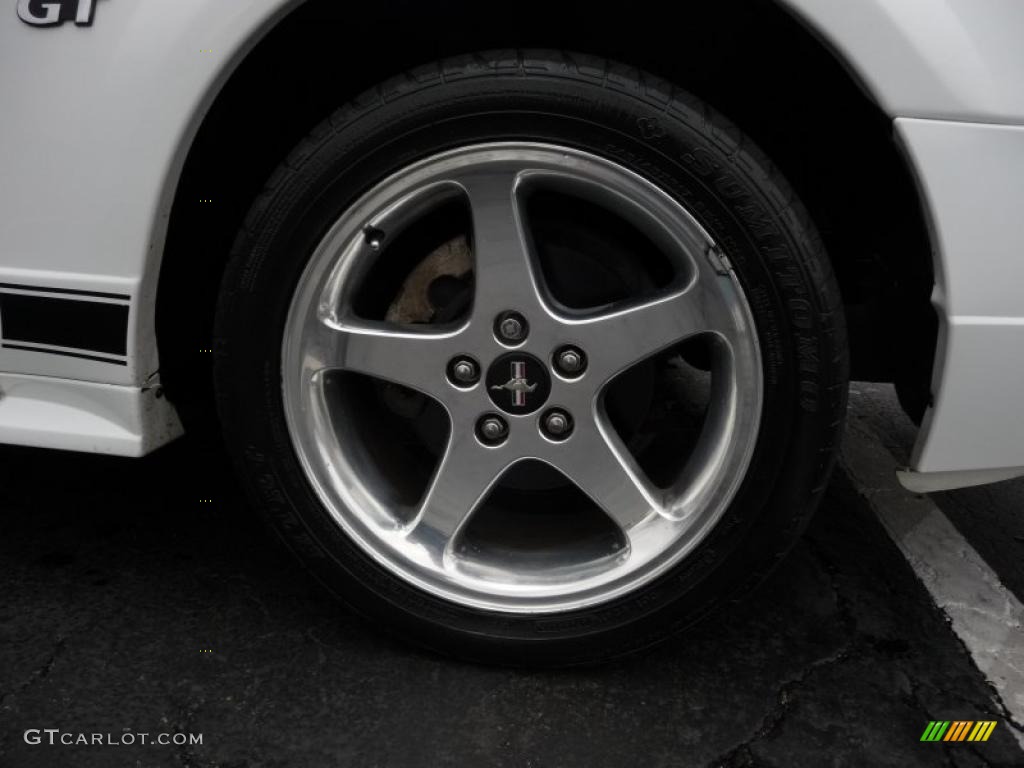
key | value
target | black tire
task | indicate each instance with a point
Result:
(660, 132)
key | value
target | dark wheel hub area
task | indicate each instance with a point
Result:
(518, 383)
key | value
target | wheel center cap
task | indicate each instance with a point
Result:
(518, 383)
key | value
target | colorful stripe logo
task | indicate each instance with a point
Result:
(958, 730)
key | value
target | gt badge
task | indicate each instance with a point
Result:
(50, 13)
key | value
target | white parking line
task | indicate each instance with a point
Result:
(985, 615)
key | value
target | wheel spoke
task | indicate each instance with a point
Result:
(411, 358)
(625, 337)
(465, 474)
(602, 467)
(503, 272)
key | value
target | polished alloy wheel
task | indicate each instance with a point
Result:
(522, 378)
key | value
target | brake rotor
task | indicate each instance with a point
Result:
(432, 290)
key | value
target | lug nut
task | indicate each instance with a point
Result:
(570, 361)
(511, 327)
(557, 424)
(492, 429)
(463, 371)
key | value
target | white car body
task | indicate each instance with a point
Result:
(97, 122)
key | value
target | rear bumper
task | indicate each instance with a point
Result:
(972, 182)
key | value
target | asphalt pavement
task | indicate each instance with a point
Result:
(142, 596)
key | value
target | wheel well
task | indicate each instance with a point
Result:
(751, 60)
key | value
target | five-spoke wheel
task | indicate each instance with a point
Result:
(521, 378)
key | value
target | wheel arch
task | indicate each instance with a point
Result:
(765, 68)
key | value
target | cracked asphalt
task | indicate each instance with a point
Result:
(117, 579)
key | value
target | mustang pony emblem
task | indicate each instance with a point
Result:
(517, 385)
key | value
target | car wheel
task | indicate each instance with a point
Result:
(531, 357)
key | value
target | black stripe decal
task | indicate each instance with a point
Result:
(65, 354)
(71, 291)
(88, 325)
